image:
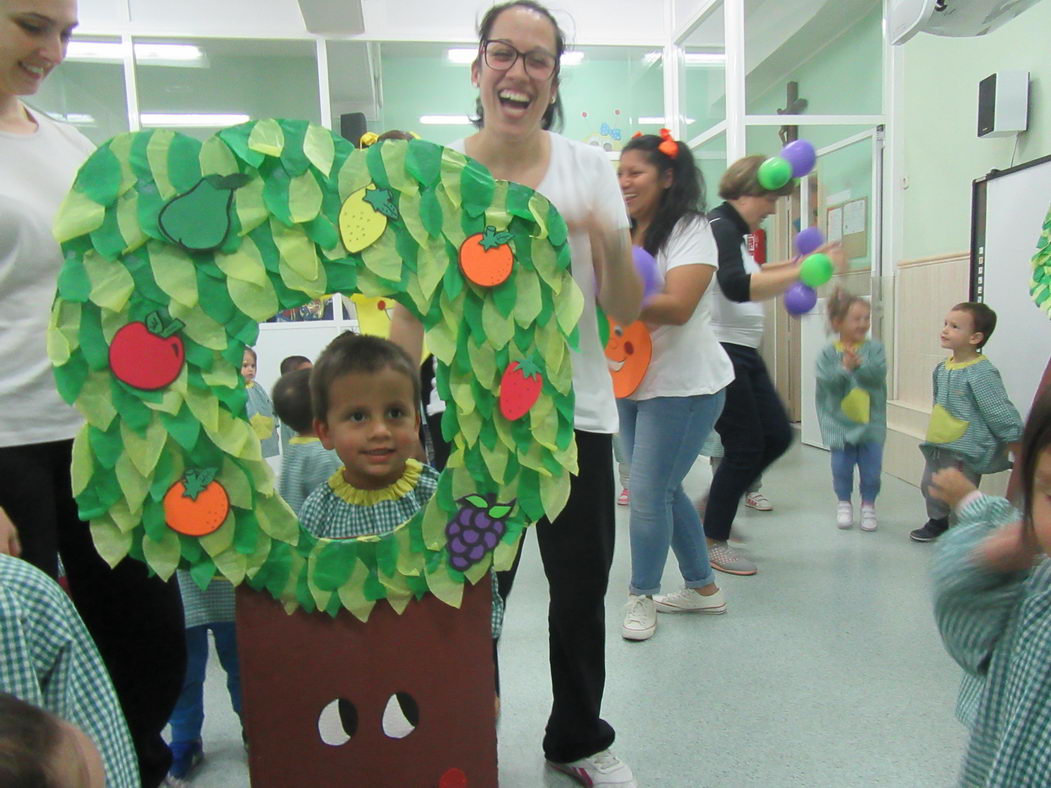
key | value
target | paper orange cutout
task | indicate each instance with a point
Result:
(486, 259)
(196, 505)
(628, 354)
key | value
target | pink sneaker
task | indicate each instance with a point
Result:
(624, 498)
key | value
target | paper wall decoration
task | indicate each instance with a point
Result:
(1040, 282)
(302, 194)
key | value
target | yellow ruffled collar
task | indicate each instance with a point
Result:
(950, 364)
(301, 439)
(399, 489)
(840, 346)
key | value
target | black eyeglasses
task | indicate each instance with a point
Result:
(501, 56)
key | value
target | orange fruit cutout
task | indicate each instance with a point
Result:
(196, 505)
(486, 258)
(628, 354)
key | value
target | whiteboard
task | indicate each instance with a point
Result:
(1009, 212)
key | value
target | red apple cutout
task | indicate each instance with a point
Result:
(520, 388)
(146, 355)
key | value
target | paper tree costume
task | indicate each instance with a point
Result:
(175, 251)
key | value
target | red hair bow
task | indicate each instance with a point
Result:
(669, 147)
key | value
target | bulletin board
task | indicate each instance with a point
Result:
(847, 223)
(1008, 212)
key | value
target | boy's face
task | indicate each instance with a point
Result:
(248, 367)
(372, 423)
(958, 331)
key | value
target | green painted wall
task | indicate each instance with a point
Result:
(942, 151)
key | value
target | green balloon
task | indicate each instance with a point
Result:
(816, 270)
(774, 173)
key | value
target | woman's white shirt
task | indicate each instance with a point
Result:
(36, 172)
(687, 360)
(580, 182)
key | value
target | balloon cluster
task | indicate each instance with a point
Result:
(815, 271)
(795, 160)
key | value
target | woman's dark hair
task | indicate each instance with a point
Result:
(1035, 441)
(553, 114)
(29, 737)
(291, 396)
(350, 352)
(684, 197)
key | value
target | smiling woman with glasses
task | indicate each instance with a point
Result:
(517, 77)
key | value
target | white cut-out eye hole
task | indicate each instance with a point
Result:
(618, 331)
(338, 722)
(401, 716)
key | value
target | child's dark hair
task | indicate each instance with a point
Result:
(553, 114)
(29, 738)
(350, 352)
(685, 196)
(741, 179)
(291, 396)
(292, 363)
(1035, 441)
(839, 303)
(983, 317)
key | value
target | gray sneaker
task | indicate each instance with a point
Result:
(724, 558)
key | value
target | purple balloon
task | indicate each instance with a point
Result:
(647, 268)
(809, 240)
(801, 155)
(800, 299)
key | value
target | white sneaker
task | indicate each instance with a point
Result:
(687, 600)
(640, 620)
(868, 518)
(601, 769)
(844, 515)
(758, 501)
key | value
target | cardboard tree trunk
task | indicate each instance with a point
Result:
(311, 681)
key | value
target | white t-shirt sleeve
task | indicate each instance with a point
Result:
(608, 203)
(690, 243)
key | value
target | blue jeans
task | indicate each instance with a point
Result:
(662, 438)
(869, 459)
(188, 716)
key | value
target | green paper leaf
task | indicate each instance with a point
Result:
(423, 161)
(393, 154)
(319, 147)
(498, 328)
(216, 158)
(132, 483)
(353, 175)
(163, 555)
(174, 272)
(202, 572)
(112, 544)
(128, 222)
(304, 197)
(157, 155)
(100, 176)
(111, 284)
(83, 464)
(183, 427)
(267, 137)
(79, 215)
(73, 281)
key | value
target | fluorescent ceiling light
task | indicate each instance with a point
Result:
(76, 118)
(462, 56)
(192, 120)
(188, 54)
(445, 120)
(705, 59)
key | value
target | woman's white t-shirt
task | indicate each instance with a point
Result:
(581, 183)
(36, 172)
(687, 360)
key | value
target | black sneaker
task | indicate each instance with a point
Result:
(931, 530)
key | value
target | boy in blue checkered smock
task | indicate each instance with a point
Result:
(306, 464)
(992, 588)
(973, 424)
(365, 393)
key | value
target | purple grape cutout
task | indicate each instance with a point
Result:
(476, 529)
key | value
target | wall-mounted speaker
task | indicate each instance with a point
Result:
(1003, 104)
(352, 126)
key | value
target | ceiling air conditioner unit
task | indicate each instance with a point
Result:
(906, 18)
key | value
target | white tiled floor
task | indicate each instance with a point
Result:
(826, 671)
